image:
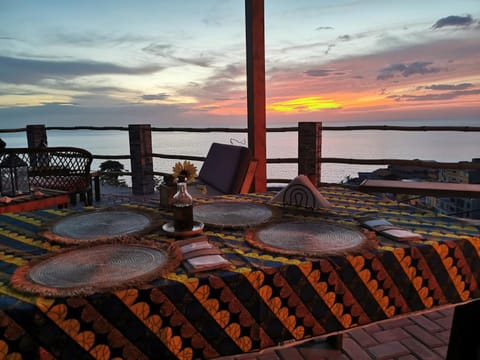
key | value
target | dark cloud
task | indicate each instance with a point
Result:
(462, 86)
(345, 38)
(305, 46)
(436, 97)
(324, 28)
(453, 20)
(232, 71)
(94, 39)
(228, 81)
(329, 47)
(199, 61)
(160, 96)
(98, 89)
(318, 72)
(211, 21)
(323, 72)
(418, 67)
(28, 71)
(158, 49)
(167, 51)
(357, 36)
(72, 85)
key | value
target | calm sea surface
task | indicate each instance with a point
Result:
(439, 146)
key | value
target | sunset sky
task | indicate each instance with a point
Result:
(182, 63)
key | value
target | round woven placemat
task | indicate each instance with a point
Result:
(91, 269)
(233, 214)
(306, 238)
(98, 226)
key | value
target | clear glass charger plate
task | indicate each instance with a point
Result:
(234, 214)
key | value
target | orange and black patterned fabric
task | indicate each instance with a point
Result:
(265, 299)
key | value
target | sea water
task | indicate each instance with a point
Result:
(362, 144)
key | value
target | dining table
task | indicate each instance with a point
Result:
(284, 282)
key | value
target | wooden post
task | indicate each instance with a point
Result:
(140, 137)
(310, 150)
(255, 49)
(36, 136)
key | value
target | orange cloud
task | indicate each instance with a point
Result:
(304, 104)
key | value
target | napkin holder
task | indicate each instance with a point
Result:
(300, 192)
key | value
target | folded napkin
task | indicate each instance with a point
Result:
(301, 192)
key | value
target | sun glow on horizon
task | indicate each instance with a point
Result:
(304, 104)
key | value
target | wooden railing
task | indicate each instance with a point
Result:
(309, 161)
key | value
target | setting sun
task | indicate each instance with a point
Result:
(304, 104)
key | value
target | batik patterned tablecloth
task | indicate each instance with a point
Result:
(263, 300)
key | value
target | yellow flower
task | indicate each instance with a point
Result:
(186, 169)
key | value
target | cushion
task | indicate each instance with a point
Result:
(224, 167)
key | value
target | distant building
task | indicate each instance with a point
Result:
(418, 173)
(462, 207)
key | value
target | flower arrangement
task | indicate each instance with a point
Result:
(186, 169)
